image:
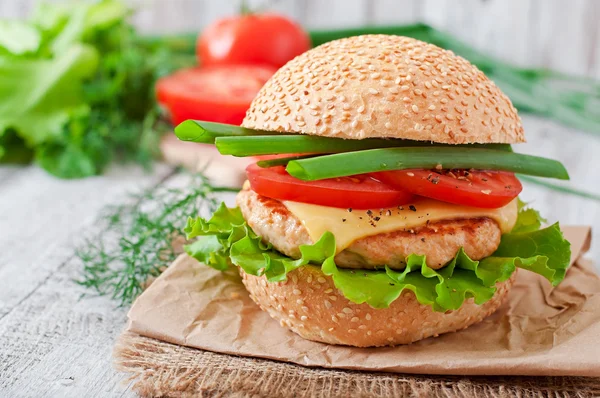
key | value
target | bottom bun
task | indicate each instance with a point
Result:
(309, 304)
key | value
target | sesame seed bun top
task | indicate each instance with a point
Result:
(385, 86)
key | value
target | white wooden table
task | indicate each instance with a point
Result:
(53, 343)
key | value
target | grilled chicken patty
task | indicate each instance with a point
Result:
(439, 241)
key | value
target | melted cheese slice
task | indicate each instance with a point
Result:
(349, 226)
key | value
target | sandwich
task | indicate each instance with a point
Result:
(387, 208)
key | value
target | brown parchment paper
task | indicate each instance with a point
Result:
(538, 331)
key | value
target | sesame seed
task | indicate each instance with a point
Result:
(351, 331)
(388, 125)
(328, 290)
(327, 304)
(369, 333)
(354, 319)
(347, 310)
(410, 174)
(415, 108)
(304, 308)
(330, 329)
(368, 317)
(354, 123)
(361, 109)
(321, 279)
(294, 278)
(373, 91)
(332, 298)
(394, 90)
(362, 327)
(405, 88)
(303, 318)
(309, 279)
(300, 301)
(296, 291)
(390, 339)
(486, 191)
(333, 318)
(341, 315)
(431, 107)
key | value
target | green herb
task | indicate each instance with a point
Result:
(140, 238)
(206, 132)
(346, 164)
(227, 239)
(281, 161)
(76, 88)
(267, 145)
(241, 141)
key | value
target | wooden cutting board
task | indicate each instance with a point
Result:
(223, 170)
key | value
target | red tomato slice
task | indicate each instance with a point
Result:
(487, 189)
(356, 192)
(217, 94)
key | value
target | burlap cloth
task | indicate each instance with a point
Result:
(159, 369)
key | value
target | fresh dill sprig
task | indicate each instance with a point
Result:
(141, 238)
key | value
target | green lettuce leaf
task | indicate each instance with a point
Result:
(43, 93)
(226, 240)
(18, 38)
(77, 88)
(529, 219)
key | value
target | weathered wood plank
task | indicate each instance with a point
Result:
(389, 12)
(40, 213)
(55, 344)
(335, 13)
(9, 172)
(551, 33)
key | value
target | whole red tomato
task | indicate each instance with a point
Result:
(269, 39)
